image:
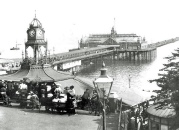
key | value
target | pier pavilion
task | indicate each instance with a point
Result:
(126, 41)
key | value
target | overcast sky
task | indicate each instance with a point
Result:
(66, 21)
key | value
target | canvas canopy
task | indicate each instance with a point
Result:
(133, 97)
(37, 73)
(80, 85)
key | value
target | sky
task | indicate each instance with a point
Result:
(66, 21)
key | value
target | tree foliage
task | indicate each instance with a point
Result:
(168, 81)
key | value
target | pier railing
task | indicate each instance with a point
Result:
(162, 43)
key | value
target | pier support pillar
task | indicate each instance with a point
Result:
(129, 55)
(134, 55)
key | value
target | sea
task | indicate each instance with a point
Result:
(140, 71)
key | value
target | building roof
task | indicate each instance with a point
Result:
(37, 73)
(165, 112)
(35, 23)
(109, 35)
(101, 38)
(95, 40)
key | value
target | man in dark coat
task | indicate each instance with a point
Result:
(70, 98)
(85, 98)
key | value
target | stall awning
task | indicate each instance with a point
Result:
(132, 96)
(37, 73)
(80, 85)
(19, 75)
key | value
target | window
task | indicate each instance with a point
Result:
(155, 126)
(164, 121)
(164, 127)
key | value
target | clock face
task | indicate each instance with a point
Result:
(32, 33)
(39, 32)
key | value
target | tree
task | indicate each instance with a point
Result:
(168, 81)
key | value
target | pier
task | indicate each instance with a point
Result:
(72, 59)
(142, 54)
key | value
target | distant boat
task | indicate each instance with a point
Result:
(15, 48)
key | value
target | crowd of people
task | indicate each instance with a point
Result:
(94, 102)
(53, 92)
(33, 92)
(135, 117)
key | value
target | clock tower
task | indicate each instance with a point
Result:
(35, 36)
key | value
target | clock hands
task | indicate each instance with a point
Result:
(32, 33)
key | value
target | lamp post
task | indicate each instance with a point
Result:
(103, 85)
(129, 78)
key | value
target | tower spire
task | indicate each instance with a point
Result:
(114, 23)
(35, 13)
(114, 28)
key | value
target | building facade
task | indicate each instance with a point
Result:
(125, 41)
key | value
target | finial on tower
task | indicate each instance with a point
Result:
(35, 13)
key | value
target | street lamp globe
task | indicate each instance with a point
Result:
(103, 83)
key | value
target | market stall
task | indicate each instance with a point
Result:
(160, 119)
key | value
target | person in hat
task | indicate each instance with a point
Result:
(85, 98)
(53, 87)
(1, 83)
(95, 96)
(65, 91)
(72, 91)
(35, 99)
(29, 98)
(95, 101)
(9, 88)
(3, 92)
(58, 90)
(71, 101)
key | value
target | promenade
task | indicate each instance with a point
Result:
(15, 118)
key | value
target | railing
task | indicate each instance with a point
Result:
(120, 115)
(83, 57)
(162, 43)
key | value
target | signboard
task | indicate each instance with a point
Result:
(72, 64)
